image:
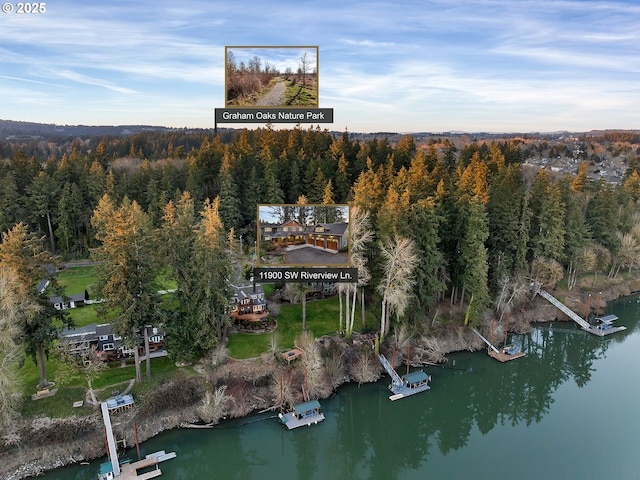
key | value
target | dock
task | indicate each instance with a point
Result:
(504, 354)
(604, 325)
(129, 471)
(407, 385)
(116, 470)
(303, 414)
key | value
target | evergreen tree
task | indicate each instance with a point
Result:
(21, 255)
(128, 267)
(229, 202)
(473, 259)
(429, 282)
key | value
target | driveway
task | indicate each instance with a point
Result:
(312, 256)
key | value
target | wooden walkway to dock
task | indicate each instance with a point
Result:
(600, 330)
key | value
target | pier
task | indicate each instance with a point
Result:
(604, 325)
(504, 354)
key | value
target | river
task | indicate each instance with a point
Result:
(569, 409)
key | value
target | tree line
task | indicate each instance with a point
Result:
(460, 226)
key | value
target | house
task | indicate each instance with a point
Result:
(69, 301)
(284, 234)
(328, 236)
(248, 304)
(95, 336)
(107, 344)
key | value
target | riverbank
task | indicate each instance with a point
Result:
(253, 385)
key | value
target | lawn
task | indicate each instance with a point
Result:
(77, 279)
(83, 316)
(60, 404)
(322, 319)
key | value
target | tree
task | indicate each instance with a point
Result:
(398, 263)
(360, 236)
(473, 259)
(304, 64)
(301, 290)
(128, 267)
(211, 269)
(229, 199)
(15, 309)
(43, 196)
(429, 270)
(21, 254)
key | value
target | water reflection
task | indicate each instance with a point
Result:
(476, 406)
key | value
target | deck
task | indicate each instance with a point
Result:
(291, 421)
(505, 357)
(129, 471)
(307, 413)
(291, 355)
(408, 391)
(601, 332)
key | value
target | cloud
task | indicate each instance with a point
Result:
(81, 78)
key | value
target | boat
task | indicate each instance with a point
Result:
(306, 413)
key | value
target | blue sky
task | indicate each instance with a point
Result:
(404, 66)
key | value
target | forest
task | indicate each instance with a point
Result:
(434, 223)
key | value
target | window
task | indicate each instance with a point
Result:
(108, 346)
(103, 338)
(267, 229)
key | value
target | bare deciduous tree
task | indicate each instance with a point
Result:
(398, 263)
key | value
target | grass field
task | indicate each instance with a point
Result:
(77, 279)
(322, 319)
(61, 404)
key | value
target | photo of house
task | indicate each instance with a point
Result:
(309, 235)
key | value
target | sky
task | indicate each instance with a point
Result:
(393, 66)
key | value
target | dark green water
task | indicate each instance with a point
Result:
(568, 410)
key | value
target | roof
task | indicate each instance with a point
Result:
(80, 331)
(305, 407)
(246, 291)
(76, 297)
(415, 377)
(106, 468)
(331, 228)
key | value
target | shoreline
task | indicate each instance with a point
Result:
(86, 444)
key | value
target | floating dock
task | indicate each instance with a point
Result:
(504, 354)
(604, 325)
(303, 414)
(115, 470)
(407, 385)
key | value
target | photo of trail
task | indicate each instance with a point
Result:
(272, 77)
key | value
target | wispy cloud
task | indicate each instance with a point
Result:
(80, 78)
(475, 64)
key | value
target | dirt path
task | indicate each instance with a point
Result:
(275, 97)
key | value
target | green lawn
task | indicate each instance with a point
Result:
(77, 279)
(83, 316)
(60, 405)
(322, 319)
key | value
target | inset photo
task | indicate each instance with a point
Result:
(271, 77)
(303, 235)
